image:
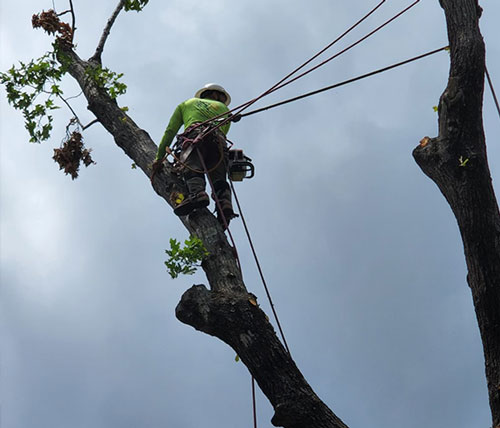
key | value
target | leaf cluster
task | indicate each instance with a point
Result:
(136, 5)
(51, 24)
(26, 83)
(71, 153)
(185, 260)
(107, 80)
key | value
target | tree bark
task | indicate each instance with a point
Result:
(456, 161)
(226, 311)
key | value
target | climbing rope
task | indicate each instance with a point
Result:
(226, 117)
(219, 207)
(226, 226)
(194, 141)
(345, 49)
(281, 82)
(266, 288)
(345, 82)
(254, 404)
(490, 84)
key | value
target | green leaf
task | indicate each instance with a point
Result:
(136, 5)
(185, 260)
(26, 83)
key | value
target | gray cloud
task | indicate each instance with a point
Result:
(361, 251)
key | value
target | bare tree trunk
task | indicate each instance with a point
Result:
(456, 161)
(227, 310)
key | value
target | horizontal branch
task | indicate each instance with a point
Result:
(90, 124)
(236, 319)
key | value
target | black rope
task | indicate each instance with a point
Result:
(237, 111)
(283, 82)
(345, 82)
(266, 288)
(345, 49)
(495, 99)
(254, 404)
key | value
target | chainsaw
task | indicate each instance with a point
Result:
(239, 166)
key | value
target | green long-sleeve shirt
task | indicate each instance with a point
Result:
(194, 110)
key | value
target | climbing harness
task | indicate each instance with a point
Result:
(185, 144)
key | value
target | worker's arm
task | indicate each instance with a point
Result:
(172, 129)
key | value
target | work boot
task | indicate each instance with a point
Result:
(192, 202)
(227, 212)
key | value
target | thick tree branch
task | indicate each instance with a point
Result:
(226, 310)
(237, 320)
(456, 161)
(100, 47)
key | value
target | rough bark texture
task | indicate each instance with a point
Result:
(456, 161)
(226, 311)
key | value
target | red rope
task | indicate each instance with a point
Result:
(226, 225)
(282, 83)
(348, 47)
(276, 85)
(217, 203)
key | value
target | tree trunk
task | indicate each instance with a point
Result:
(226, 311)
(456, 161)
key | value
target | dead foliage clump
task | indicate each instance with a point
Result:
(71, 153)
(51, 23)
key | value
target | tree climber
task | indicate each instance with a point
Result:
(209, 102)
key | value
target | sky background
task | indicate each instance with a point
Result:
(361, 251)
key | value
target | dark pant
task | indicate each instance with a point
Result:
(212, 150)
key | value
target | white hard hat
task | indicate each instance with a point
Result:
(214, 87)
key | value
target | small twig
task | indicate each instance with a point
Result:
(74, 96)
(89, 124)
(64, 13)
(71, 108)
(68, 126)
(73, 28)
(100, 47)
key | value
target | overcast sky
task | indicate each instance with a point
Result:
(361, 251)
